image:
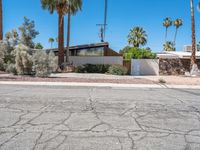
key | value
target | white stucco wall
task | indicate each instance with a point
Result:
(144, 67)
(81, 60)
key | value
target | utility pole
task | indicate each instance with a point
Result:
(105, 17)
(102, 33)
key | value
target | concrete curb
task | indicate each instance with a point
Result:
(111, 85)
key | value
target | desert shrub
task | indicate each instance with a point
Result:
(138, 53)
(117, 70)
(90, 68)
(43, 63)
(53, 62)
(11, 68)
(1, 60)
(23, 60)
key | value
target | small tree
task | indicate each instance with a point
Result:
(38, 46)
(169, 46)
(51, 40)
(28, 33)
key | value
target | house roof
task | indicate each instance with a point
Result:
(94, 45)
(186, 55)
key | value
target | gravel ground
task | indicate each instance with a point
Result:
(103, 78)
(75, 79)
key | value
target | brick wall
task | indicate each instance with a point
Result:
(175, 66)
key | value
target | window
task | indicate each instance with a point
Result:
(98, 51)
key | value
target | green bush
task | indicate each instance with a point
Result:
(117, 70)
(138, 53)
(90, 68)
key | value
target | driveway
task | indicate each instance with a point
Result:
(81, 118)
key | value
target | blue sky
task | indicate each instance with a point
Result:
(122, 15)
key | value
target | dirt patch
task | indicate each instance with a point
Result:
(82, 80)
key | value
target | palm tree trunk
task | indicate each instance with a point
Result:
(166, 34)
(68, 37)
(175, 36)
(193, 57)
(1, 21)
(61, 39)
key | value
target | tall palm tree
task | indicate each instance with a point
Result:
(167, 23)
(137, 36)
(177, 23)
(193, 57)
(60, 6)
(73, 7)
(51, 40)
(1, 21)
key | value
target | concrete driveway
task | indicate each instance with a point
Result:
(81, 118)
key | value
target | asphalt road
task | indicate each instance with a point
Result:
(80, 118)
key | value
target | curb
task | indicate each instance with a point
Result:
(111, 85)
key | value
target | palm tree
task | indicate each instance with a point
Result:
(169, 46)
(73, 7)
(167, 23)
(177, 23)
(60, 6)
(1, 21)
(137, 36)
(51, 40)
(193, 57)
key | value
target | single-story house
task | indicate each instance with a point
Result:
(177, 54)
(97, 49)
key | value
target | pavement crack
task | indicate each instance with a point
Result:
(7, 141)
(37, 140)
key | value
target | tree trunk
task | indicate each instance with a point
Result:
(68, 37)
(175, 36)
(1, 21)
(61, 39)
(193, 57)
(166, 34)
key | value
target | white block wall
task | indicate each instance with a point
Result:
(82, 60)
(144, 67)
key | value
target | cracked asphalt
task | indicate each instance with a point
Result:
(81, 118)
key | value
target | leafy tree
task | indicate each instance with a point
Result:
(51, 40)
(60, 6)
(177, 23)
(167, 23)
(38, 46)
(28, 33)
(138, 53)
(73, 7)
(169, 46)
(125, 50)
(137, 37)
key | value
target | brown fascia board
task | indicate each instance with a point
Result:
(105, 44)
